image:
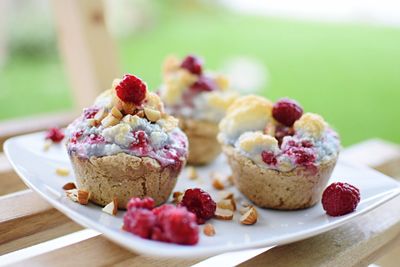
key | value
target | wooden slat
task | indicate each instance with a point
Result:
(354, 244)
(89, 53)
(25, 125)
(26, 219)
(9, 180)
(98, 251)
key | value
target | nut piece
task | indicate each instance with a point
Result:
(227, 204)
(116, 113)
(83, 197)
(192, 173)
(101, 114)
(177, 197)
(225, 195)
(209, 229)
(69, 186)
(112, 207)
(152, 114)
(250, 217)
(223, 214)
(218, 184)
(109, 121)
(72, 194)
(219, 181)
(62, 171)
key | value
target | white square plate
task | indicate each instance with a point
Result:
(37, 168)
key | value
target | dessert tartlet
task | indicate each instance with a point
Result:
(280, 158)
(126, 146)
(200, 101)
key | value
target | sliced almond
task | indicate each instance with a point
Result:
(225, 195)
(140, 114)
(109, 121)
(177, 197)
(192, 173)
(116, 113)
(112, 207)
(223, 214)
(72, 194)
(62, 171)
(101, 114)
(126, 107)
(209, 230)
(69, 186)
(83, 197)
(250, 217)
(226, 204)
(243, 210)
(152, 114)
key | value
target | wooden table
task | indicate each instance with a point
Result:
(32, 233)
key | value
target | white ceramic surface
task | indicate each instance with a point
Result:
(37, 168)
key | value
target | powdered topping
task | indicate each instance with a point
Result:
(252, 128)
(190, 92)
(131, 121)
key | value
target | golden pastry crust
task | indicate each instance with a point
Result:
(124, 176)
(296, 189)
(203, 144)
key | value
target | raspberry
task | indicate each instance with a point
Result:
(200, 203)
(89, 113)
(131, 89)
(76, 136)
(287, 111)
(140, 142)
(268, 157)
(340, 198)
(303, 156)
(55, 134)
(145, 203)
(139, 222)
(95, 139)
(178, 225)
(203, 84)
(192, 64)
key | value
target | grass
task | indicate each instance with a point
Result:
(348, 73)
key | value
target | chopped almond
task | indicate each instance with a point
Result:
(62, 171)
(223, 214)
(140, 114)
(250, 217)
(72, 194)
(226, 204)
(209, 230)
(152, 114)
(177, 197)
(83, 197)
(225, 195)
(218, 184)
(116, 113)
(192, 173)
(101, 114)
(69, 186)
(109, 121)
(112, 207)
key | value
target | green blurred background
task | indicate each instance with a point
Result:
(349, 73)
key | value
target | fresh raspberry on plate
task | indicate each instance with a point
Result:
(140, 222)
(200, 203)
(340, 199)
(131, 89)
(145, 203)
(179, 226)
(287, 111)
(55, 134)
(192, 64)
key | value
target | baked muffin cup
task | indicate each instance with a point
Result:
(297, 189)
(124, 176)
(203, 144)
